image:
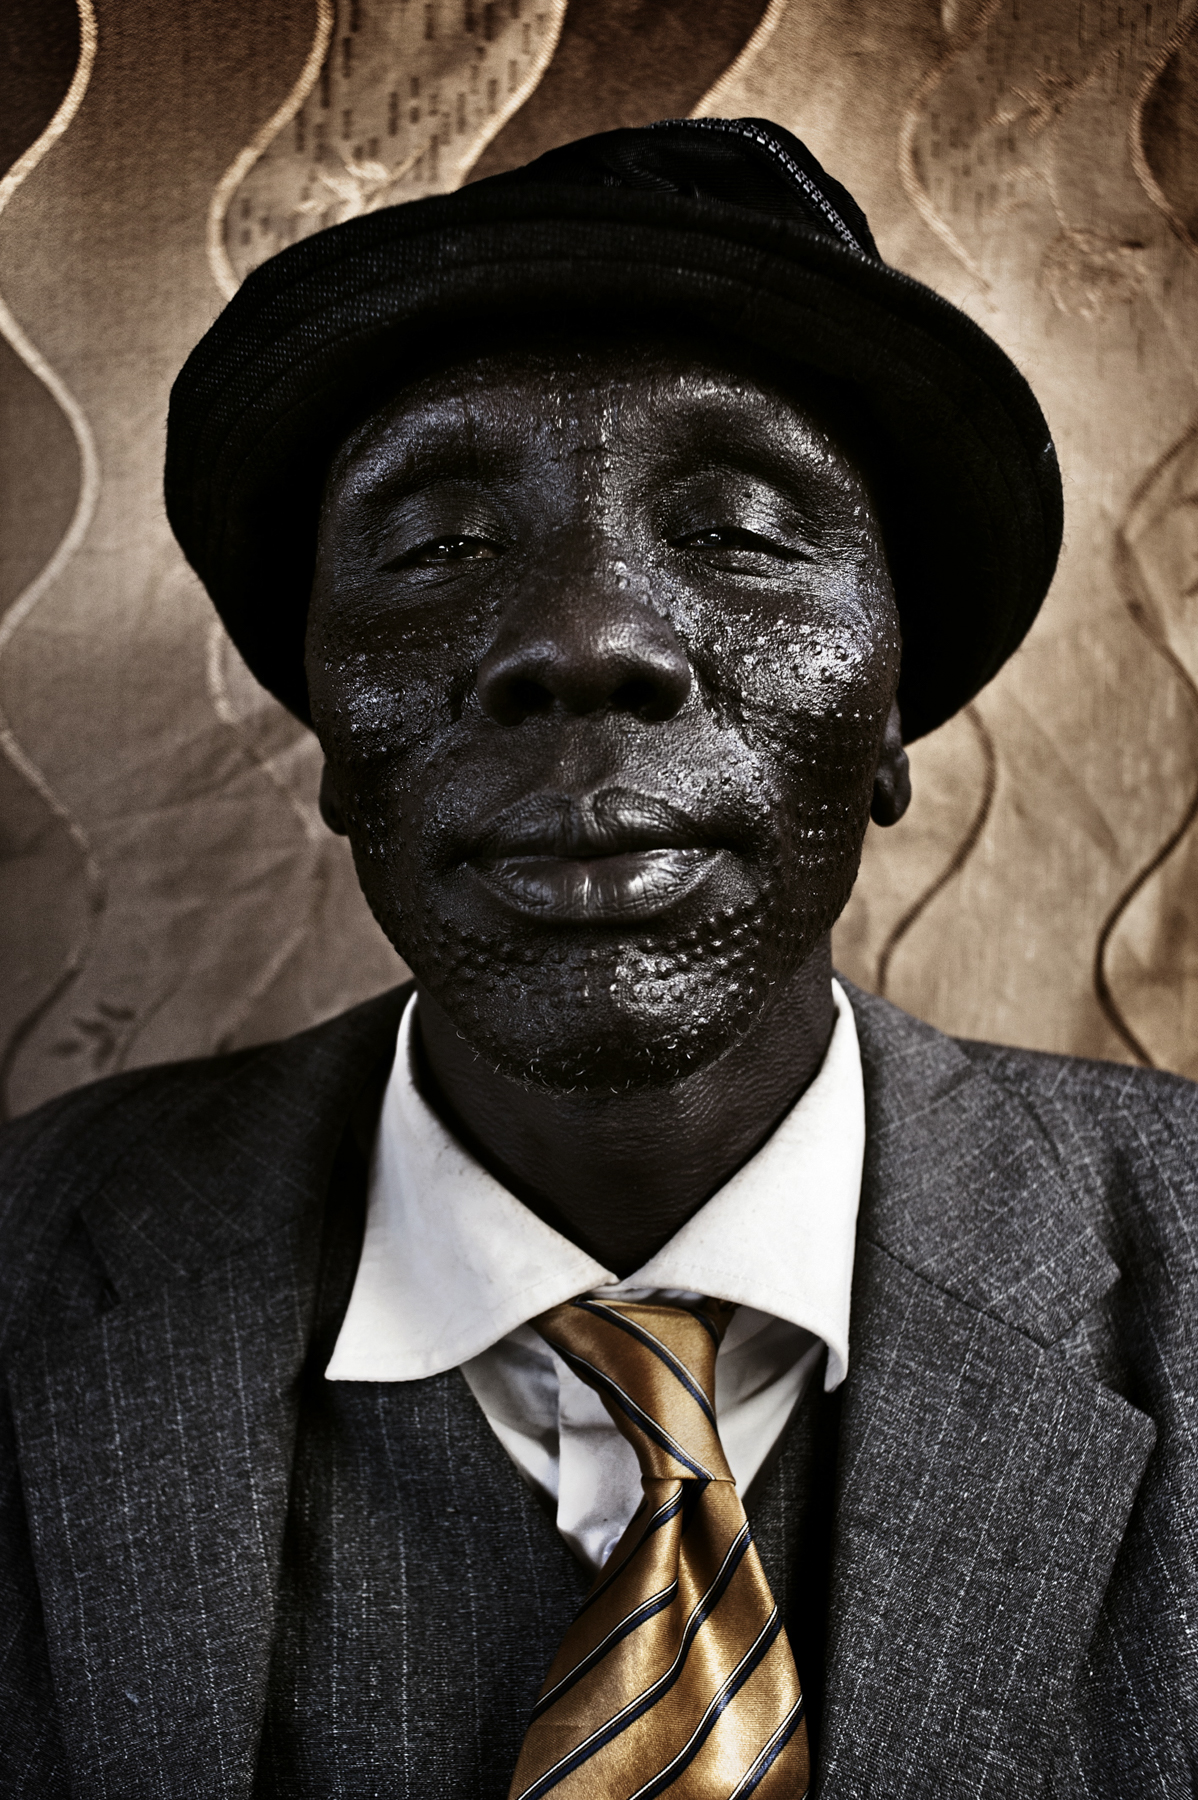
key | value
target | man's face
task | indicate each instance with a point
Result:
(601, 650)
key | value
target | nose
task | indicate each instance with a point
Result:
(583, 653)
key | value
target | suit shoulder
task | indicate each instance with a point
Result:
(53, 1159)
(1114, 1096)
(1125, 1139)
(1126, 1136)
(47, 1154)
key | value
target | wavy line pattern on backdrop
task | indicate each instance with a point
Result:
(741, 68)
(962, 34)
(1157, 546)
(257, 724)
(240, 721)
(1020, 147)
(1035, 110)
(964, 26)
(390, 104)
(223, 272)
(1154, 545)
(399, 103)
(957, 858)
(23, 606)
(622, 63)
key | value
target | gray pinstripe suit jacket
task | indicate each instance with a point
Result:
(1014, 1587)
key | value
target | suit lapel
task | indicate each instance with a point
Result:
(984, 1484)
(156, 1443)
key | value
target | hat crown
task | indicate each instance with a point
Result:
(739, 162)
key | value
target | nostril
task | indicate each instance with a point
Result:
(525, 696)
(514, 698)
(646, 699)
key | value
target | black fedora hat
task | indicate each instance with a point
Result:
(727, 226)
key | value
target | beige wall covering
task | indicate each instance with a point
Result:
(166, 887)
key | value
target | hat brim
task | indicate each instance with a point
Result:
(973, 512)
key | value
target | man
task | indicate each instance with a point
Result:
(465, 1397)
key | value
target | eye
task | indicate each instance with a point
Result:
(738, 549)
(440, 553)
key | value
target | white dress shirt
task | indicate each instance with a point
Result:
(453, 1267)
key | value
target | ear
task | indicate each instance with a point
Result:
(330, 805)
(892, 780)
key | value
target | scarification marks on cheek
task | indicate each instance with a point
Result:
(396, 695)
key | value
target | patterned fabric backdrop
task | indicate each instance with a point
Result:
(167, 886)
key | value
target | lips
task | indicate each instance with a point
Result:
(609, 857)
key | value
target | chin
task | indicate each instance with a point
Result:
(588, 1014)
(580, 1042)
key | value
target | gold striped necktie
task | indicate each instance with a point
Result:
(676, 1677)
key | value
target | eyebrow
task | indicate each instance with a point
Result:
(426, 458)
(435, 449)
(791, 471)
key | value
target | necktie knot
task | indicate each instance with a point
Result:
(653, 1365)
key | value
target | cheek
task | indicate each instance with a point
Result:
(809, 692)
(384, 686)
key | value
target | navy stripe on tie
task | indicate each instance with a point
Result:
(687, 1497)
(708, 1323)
(603, 1382)
(726, 1694)
(648, 1609)
(678, 1369)
(765, 1759)
(637, 1708)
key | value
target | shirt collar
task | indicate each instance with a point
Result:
(452, 1262)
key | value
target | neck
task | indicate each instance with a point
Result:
(619, 1174)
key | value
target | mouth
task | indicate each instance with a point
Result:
(608, 858)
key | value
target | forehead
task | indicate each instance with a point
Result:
(645, 394)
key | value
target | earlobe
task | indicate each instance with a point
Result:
(892, 780)
(330, 805)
